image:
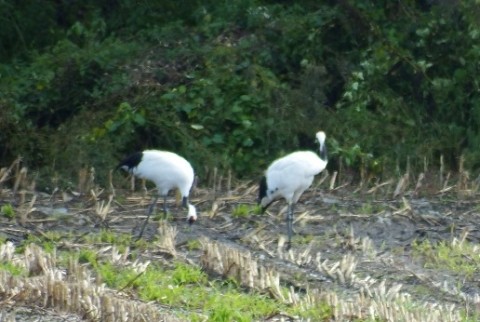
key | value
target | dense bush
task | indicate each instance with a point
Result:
(236, 84)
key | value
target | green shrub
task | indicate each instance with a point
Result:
(235, 85)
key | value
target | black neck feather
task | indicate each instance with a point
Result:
(262, 189)
(323, 153)
(131, 161)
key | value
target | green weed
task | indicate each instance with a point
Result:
(187, 286)
(232, 305)
(160, 215)
(462, 258)
(7, 211)
(243, 211)
(194, 244)
(53, 236)
(470, 317)
(117, 277)
(369, 208)
(48, 242)
(187, 274)
(183, 286)
(89, 256)
(109, 237)
(320, 312)
(257, 209)
(13, 269)
(302, 239)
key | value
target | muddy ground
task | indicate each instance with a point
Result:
(371, 225)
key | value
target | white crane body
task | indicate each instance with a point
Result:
(288, 177)
(167, 171)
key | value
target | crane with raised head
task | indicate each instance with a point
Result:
(289, 176)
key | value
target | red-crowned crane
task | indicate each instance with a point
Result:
(168, 171)
(289, 176)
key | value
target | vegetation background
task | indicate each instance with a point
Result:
(235, 84)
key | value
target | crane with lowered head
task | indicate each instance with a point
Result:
(167, 171)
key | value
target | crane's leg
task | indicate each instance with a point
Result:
(185, 202)
(165, 207)
(290, 225)
(149, 212)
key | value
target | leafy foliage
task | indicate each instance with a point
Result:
(234, 85)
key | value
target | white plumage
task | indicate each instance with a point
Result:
(289, 176)
(168, 171)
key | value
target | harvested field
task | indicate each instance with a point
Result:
(393, 251)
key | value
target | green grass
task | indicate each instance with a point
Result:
(244, 211)
(188, 290)
(231, 305)
(189, 287)
(241, 211)
(160, 215)
(460, 257)
(371, 208)
(14, 270)
(471, 317)
(186, 274)
(321, 312)
(302, 239)
(89, 256)
(47, 241)
(109, 237)
(7, 211)
(194, 244)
